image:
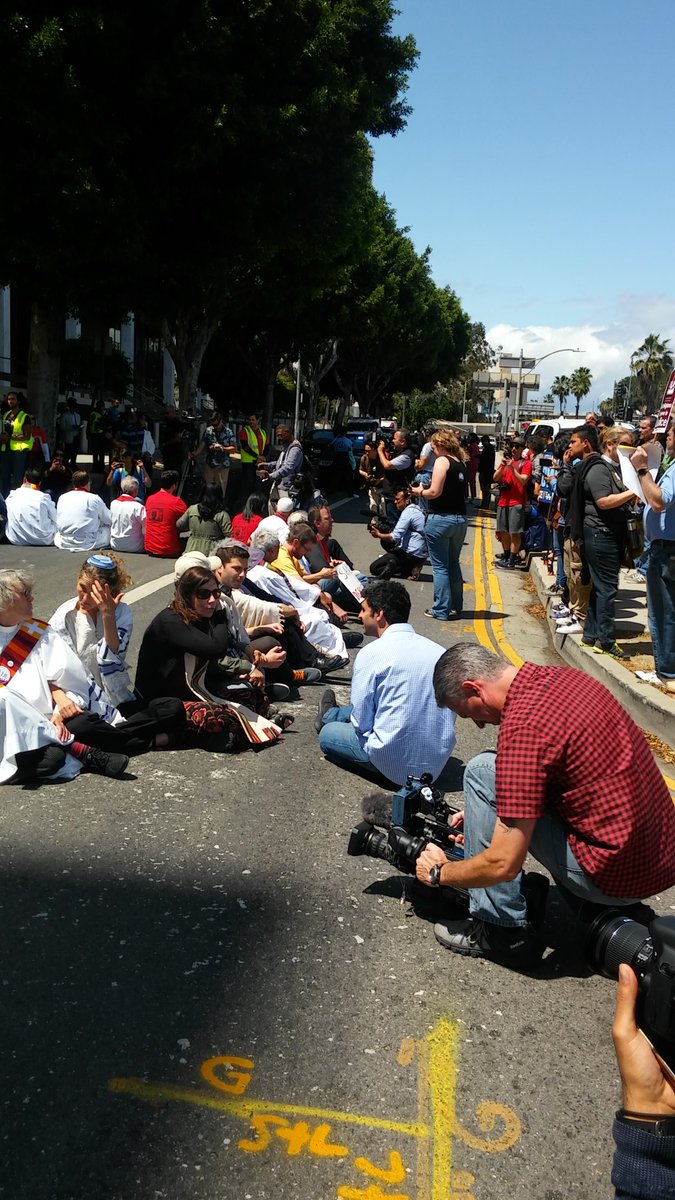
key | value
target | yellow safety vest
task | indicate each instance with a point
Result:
(16, 441)
(260, 437)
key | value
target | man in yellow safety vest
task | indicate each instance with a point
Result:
(252, 443)
(16, 441)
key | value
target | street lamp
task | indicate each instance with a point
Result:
(530, 364)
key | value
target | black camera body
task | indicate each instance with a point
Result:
(417, 814)
(381, 524)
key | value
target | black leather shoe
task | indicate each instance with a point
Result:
(328, 700)
(328, 664)
(105, 762)
(511, 946)
(352, 640)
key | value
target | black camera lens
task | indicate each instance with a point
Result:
(613, 939)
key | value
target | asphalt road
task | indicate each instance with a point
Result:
(204, 908)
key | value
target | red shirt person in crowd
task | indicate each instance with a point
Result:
(162, 510)
(513, 477)
(582, 793)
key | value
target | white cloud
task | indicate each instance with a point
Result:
(608, 346)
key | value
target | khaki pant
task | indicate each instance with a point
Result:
(579, 592)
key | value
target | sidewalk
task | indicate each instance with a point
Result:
(652, 708)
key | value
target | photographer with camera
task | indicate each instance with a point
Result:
(513, 479)
(644, 1129)
(583, 795)
(405, 545)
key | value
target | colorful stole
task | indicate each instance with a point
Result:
(19, 647)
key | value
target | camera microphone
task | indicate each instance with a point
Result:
(376, 809)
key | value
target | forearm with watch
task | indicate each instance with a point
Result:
(650, 489)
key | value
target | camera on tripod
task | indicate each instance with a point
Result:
(397, 829)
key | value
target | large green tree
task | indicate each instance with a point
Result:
(167, 154)
(652, 363)
(561, 387)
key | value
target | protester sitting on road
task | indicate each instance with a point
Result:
(97, 625)
(405, 547)
(38, 665)
(659, 522)
(82, 520)
(207, 521)
(245, 523)
(301, 541)
(277, 646)
(195, 625)
(392, 728)
(127, 466)
(127, 519)
(163, 510)
(307, 598)
(31, 514)
(277, 523)
(584, 795)
(327, 552)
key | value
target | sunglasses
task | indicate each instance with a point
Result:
(207, 593)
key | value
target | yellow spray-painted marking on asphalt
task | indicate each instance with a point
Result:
(437, 1124)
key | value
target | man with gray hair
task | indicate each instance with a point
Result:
(127, 519)
(582, 794)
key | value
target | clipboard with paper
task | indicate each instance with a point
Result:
(349, 580)
(628, 472)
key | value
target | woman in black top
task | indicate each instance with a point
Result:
(446, 524)
(195, 624)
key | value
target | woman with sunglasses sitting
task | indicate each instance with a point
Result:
(194, 624)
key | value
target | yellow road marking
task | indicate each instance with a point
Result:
(157, 1093)
(480, 624)
(496, 599)
(443, 1044)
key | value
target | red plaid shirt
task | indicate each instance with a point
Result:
(566, 744)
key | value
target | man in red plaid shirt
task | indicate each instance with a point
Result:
(573, 782)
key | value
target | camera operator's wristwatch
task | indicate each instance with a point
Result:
(435, 875)
(642, 472)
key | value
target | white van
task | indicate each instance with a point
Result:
(552, 426)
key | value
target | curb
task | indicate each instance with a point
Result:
(650, 709)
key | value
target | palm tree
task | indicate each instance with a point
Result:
(652, 362)
(580, 385)
(561, 387)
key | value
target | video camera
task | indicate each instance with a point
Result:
(380, 523)
(418, 814)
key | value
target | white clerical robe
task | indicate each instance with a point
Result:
(127, 529)
(82, 522)
(22, 728)
(318, 629)
(52, 660)
(31, 517)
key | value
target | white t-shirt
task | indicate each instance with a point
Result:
(127, 525)
(82, 522)
(31, 517)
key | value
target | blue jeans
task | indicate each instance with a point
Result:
(445, 538)
(504, 904)
(603, 556)
(340, 743)
(661, 593)
(559, 543)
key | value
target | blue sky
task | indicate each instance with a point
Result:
(539, 165)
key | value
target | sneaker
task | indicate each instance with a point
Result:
(636, 577)
(327, 700)
(555, 590)
(563, 615)
(560, 608)
(613, 651)
(505, 564)
(590, 642)
(562, 628)
(511, 946)
(105, 762)
(277, 691)
(308, 675)
(327, 664)
(352, 640)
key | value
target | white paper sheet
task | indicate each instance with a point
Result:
(630, 475)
